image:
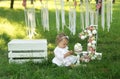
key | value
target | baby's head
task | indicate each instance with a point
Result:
(62, 40)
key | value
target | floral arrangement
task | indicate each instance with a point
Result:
(90, 32)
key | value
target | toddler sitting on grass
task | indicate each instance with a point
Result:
(63, 56)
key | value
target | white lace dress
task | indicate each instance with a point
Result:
(59, 57)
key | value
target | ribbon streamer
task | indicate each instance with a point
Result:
(62, 14)
(96, 18)
(92, 17)
(87, 13)
(57, 17)
(45, 16)
(108, 15)
(111, 2)
(30, 21)
(72, 20)
(82, 16)
(103, 15)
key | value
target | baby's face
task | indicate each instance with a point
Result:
(63, 43)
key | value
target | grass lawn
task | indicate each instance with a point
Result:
(12, 26)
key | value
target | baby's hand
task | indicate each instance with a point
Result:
(71, 52)
(68, 53)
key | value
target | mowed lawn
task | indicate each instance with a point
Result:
(12, 26)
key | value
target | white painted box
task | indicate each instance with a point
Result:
(21, 50)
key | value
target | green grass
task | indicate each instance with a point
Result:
(12, 26)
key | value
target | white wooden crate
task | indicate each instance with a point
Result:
(27, 50)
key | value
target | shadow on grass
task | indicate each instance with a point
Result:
(4, 39)
(16, 15)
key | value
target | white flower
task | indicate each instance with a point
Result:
(82, 37)
(93, 42)
(88, 31)
(86, 60)
(93, 57)
(89, 52)
(94, 46)
(85, 36)
(90, 34)
(89, 44)
(85, 30)
(94, 31)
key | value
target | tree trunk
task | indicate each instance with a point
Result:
(11, 4)
(113, 1)
(31, 1)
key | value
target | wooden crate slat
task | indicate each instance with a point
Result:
(20, 55)
(27, 45)
(25, 60)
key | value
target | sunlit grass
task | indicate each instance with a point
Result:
(10, 29)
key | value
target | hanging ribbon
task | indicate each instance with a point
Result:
(57, 17)
(108, 15)
(82, 20)
(82, 15)
(30, 20)
(92, 17)
(96, 18)
(103, 15)
(111, 2)
(45, 16)
(62, 14)
(72, 19)
(87, 13)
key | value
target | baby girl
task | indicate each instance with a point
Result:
(63, 56)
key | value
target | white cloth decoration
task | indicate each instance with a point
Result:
(58, 20)
(92, 17)
(108, 14)
(57, 17)
(72, 20)
(62, 14)
(103, 15)
(45, 16)
(87, 13)
(82, 17)
(111, 2)
(96, 19)
(30, 21)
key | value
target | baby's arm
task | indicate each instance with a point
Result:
(68, 53)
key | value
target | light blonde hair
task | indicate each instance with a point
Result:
(60, 37)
